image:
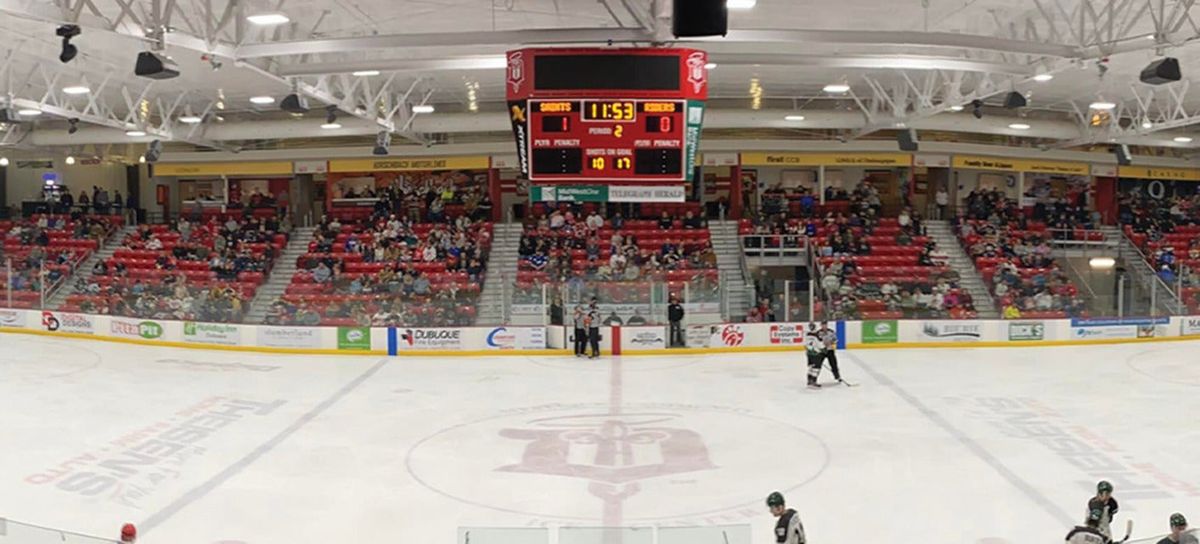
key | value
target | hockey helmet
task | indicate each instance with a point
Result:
(775, 499)
(1177, 520)
(1104, 486)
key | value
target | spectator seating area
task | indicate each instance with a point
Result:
(617, 260)
(388, 271)
(1168, 233)
(882, 270)
(208, 271)
(1017, 266)
(44, 249)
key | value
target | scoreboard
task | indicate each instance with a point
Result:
(610, 115)
(598, 139)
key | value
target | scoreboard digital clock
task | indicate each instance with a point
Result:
(594, 139)
(619, 115)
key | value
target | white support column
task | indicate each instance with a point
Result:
(1020, 189)
(821, 183)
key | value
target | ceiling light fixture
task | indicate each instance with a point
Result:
(3, 161)
(1183, 139)
(76, 89)
(29, 112)
(366, 73)
(70, 160)
(190, 119)
(710, 66)
(794, 118)
(740, 4)
(1042, 78)
(836, 88)
(142, 159)
(1101, 105)
(268, 19)
(262, 100)
(1019, 126)
(1102, 262)
(1147, 124)
(423, 108)
(956, 108)
(135, 133)
(331, 126)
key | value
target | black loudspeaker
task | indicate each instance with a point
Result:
(907, 140)
(698, 18)
(153, 151)
(1164, 70)
(1123, 156)
(1015, 100)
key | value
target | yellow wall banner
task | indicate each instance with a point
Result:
(402, 164)
(184, 169)
(1022, 165)
(894, 160)
(1152, 172)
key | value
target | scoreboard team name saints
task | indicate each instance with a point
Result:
(607, 115)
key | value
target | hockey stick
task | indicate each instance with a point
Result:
(1128, 531)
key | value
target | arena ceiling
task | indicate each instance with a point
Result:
(908, 63)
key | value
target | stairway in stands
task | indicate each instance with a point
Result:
(960, 262)
(280, 276)
(501, 273)
(103, 253)
(740, 293)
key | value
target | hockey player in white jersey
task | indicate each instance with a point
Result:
(1090, 532)
(788, 530)
(1106, 504)
(815, 350)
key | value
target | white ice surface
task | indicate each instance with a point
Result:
(978, 446)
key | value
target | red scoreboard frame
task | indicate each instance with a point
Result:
(607, 115)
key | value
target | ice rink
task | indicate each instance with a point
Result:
(980, 446)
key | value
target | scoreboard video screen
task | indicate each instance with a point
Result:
(574, 123)
(594, 139)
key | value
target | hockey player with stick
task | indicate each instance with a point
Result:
(788, 530)
(1178, 527)
(1106, 504)
(1090, 532)
(816, 354)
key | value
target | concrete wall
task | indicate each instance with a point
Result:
(26, 183)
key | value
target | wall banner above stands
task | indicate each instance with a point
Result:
(718, 159)
(1022, 165)
(1155, 172)
(409, 164)
(886, 160)
(310, 167)
(931, 160)
(186, 169)
(607, 193)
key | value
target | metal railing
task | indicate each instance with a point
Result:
(1171, 303)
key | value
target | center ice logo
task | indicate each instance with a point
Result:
(616, 450)
(640, 461)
